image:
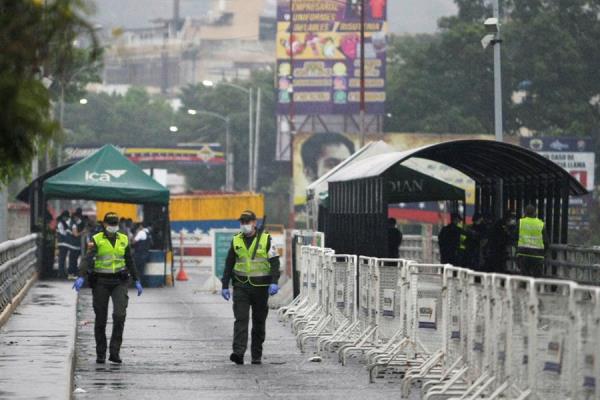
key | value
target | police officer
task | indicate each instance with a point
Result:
(531, 247)
(253, 265)
(109, 256)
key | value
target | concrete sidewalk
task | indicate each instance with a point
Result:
(177, 344)
(37, 344)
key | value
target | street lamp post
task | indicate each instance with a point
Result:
(497, 79)
(229, 177)
(253, 135)
(492, 26)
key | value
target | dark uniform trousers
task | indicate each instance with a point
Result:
(245, 297)
(104, 289)
(530, 266)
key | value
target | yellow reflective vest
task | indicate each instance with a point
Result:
(110, 259)
(245, 267)
(531, 235)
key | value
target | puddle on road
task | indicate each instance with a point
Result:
(45, 300)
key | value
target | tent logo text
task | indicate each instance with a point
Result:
(104, 176)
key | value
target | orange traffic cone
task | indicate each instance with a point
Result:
(181, 275)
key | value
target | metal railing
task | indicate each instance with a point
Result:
(578, 263)
(18, 262)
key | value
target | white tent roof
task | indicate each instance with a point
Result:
(367, 151)
(370, 166)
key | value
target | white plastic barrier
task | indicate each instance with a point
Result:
(461, 334)
(552, 358)
(585, 308)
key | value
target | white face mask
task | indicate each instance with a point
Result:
(112, 229)
(247, 228)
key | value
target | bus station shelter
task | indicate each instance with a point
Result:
(507, 178)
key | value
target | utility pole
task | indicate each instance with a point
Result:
(256, 141)
(250, 140)
(498, 129)
(362, 73)
(229, 160)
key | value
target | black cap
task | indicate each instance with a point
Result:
(247, 215)
(111, 218)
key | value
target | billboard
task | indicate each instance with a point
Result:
(318, 56)
(209, 154)
(317, 153)
(576, 155)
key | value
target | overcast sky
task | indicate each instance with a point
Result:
(404, 16)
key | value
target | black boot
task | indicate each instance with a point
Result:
(100, 358)
(117, 336)
(114, 358)
(239, 360)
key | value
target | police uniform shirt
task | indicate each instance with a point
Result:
(231, 258)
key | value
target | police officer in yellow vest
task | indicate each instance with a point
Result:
(531, 248)
(109, 255)
(252, 265)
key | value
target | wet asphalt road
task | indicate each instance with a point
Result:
(176, 346)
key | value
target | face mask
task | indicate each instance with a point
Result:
(112, 229)
(246, 228)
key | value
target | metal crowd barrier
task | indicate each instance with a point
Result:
(18, 260)
(450, 332)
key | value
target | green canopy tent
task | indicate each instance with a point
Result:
(107, 175)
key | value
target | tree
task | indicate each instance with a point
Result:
(443, 82)
(31, 32)
(138, 117)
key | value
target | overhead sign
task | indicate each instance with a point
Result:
(575, 155)
(318, 56)
(202, 154)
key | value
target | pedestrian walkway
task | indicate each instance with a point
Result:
(177, 344)
(37, 344)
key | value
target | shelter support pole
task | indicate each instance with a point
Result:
(548, 220)
(499, 197)
(557, 211)
(478, 198)
(564, 228)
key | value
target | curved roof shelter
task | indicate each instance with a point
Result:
(507, 178)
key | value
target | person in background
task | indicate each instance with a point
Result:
(502, 237)
(449, 241)
(76, 228)
(394, 239)
(63, 234)
(129, 228)
(532, 244)
(476, 234)
(141, 247)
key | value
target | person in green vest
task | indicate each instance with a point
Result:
(252, 265)
(109, 265)
(532, 244)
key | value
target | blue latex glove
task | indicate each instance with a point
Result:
(226, 294)
(273, 289)
(139, 287)
(78, 284)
